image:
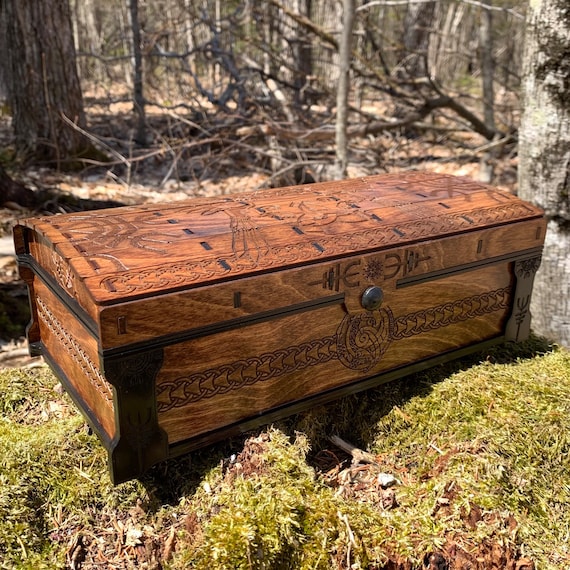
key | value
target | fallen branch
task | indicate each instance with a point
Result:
(375, 127)
(358, 454)
(12, 192)
(308, 24)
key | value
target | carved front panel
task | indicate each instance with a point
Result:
(306, 287)
(233, 375)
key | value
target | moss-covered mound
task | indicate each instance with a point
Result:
(477, 453)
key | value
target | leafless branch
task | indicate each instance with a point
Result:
(369, 5)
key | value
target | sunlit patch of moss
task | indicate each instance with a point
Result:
(481, 449)
(278, 515)
(51, 470)
(501, 433)
(482, 455)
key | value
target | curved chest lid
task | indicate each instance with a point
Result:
(131, 252)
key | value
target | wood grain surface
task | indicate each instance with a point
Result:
(303, 288)
(126, 253)
(209, 313)
(236, 374)
(74, 350)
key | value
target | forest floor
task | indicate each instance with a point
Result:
(285, 497)
(467, 468)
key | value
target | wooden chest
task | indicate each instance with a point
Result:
(177, 325)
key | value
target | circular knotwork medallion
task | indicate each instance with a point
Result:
(362, 339)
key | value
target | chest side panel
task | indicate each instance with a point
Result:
(73, 352)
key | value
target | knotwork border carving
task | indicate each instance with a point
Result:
(359, 343)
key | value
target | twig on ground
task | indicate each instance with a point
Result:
(358, 455)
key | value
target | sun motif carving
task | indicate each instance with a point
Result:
(373, 269)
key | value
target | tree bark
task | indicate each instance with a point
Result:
(341, 139)
(302, 54)
(138, 95)
(40, 70)
(544, 157)
(487, 63)
(417, 30)
(487, 163)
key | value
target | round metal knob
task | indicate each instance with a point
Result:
(372, 298)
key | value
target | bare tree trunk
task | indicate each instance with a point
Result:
(544, 158)
(487, 63)
(87, 39)
(189, 24)
(40, 69)
(417, 30)
(303, 54)
(124, 19)
(138, 95)
(267, 36)
(217, 69)
(341, 140)
(487, 164)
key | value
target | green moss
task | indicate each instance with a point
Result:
(503, 431)
(278, 515)
(491, 437)
(481, 448)
(50, 471)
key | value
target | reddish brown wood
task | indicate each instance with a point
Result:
(68, 344)
(244, 305)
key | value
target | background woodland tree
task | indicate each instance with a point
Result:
(274, 63)
(544, 157)
(40, 76)
(345, 53)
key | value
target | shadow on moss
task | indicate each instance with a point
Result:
(354, 417)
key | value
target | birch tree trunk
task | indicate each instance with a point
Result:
(544, 157)
(487, 163)
(343, 89)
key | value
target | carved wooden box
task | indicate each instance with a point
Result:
(177, 325)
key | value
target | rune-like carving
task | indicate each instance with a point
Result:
(518, 326)
(359, 344)
(527, 267)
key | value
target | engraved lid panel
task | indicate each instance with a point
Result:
(133, 252)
